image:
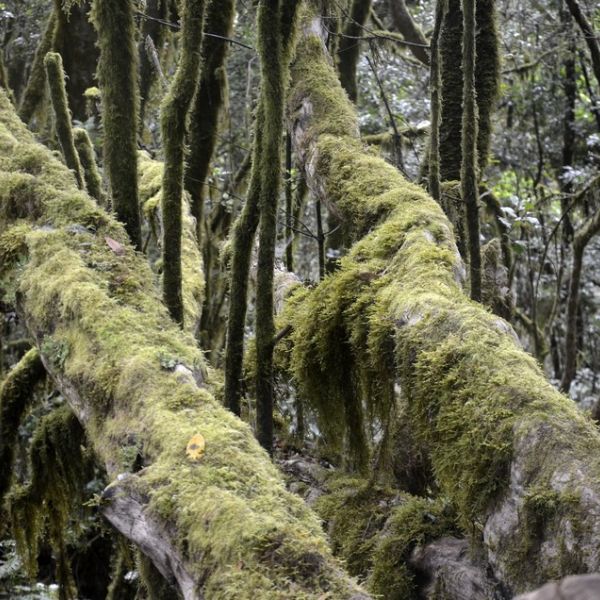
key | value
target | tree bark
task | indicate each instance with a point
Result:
(515, 457)
(219, 527)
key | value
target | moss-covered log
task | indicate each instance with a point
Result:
(173, 120)
(220, 525)
(516, 458)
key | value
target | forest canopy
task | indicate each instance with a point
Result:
(299, 299)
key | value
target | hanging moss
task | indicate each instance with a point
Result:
(452, 91)
(87, 159)
(60, 468)
(16, 395)
(58, 94)
(348, 50)
(173, 117)
(117, 74)
(35, 91)
(435, 78)
(207, 105)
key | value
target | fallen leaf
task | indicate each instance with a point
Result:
(195, 447)
(115, 246)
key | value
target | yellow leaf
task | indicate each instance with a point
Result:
(195, 447)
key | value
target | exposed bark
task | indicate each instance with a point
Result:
(406, 25)
(130, 375)
(516, 458)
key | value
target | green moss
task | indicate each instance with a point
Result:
(473, 396)
(151, 174)
(414, 523)
(355, 513)
(208, 101)
(60, 468)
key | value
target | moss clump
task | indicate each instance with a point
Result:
(414, 523)
(355, 513)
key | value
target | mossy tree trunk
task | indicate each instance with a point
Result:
(516, 458)
(208, 101)
(470, 125)
(117, 73)
(218, 526)
(173, 121)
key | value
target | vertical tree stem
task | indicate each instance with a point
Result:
(469, 148)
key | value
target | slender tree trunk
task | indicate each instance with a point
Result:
(174, 111)
(217, 527)
(469, 187)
